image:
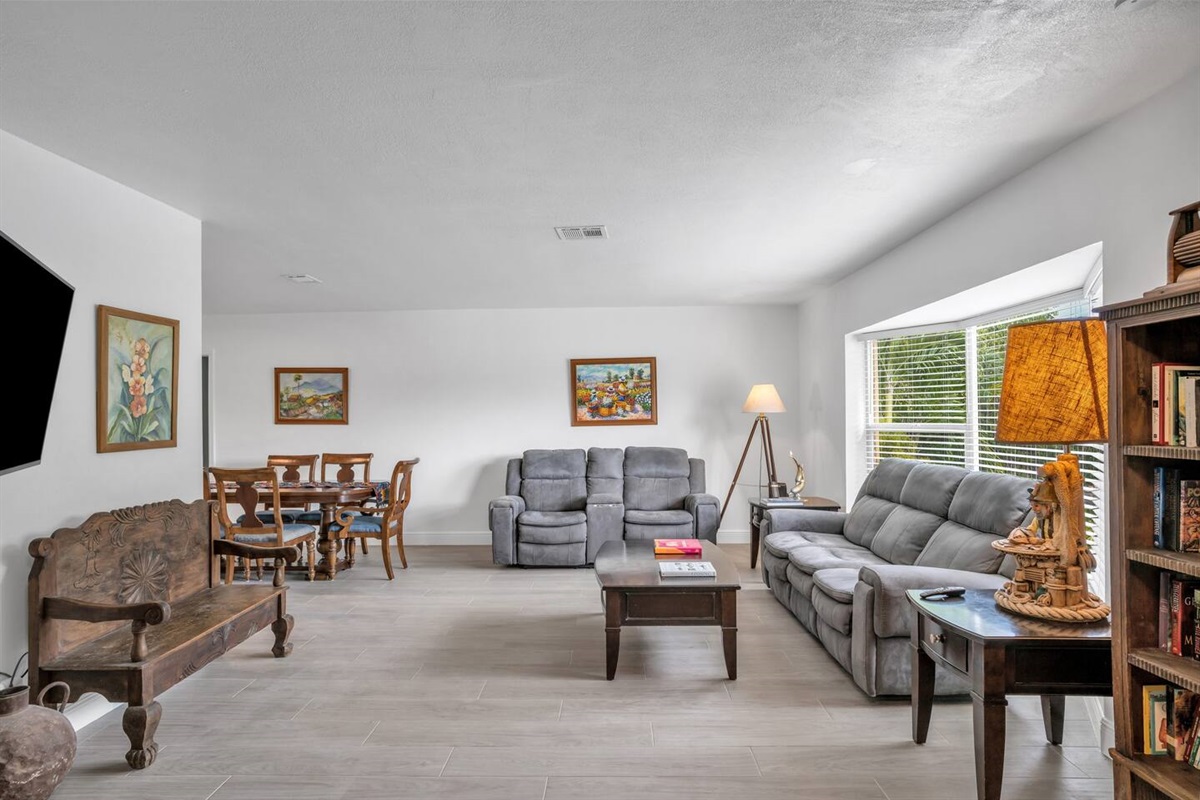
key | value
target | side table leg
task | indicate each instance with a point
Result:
(754, 533)
(923, 673)
(614, 602)
(1054, 707)
(990, 705)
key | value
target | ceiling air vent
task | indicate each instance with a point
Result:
(582, 232)
(302, 279)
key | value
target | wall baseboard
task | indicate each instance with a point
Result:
(87, 709)
(462, 538)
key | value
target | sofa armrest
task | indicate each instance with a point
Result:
(706, 514)
(502, 521)
(802, 519)
(605, 521)
(892, 615)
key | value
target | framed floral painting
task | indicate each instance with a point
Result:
(614, 391)
(137, 377)
(312, 396)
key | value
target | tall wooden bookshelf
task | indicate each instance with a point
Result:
(1158, 327)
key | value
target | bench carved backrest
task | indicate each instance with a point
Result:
(160, 551)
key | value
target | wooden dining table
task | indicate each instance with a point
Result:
(328, 496)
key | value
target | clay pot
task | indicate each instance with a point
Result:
(37, 745)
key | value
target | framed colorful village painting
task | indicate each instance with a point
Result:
(137, 380)
(614, 391)
(312, 396)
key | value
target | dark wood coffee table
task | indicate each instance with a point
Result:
(1001, 654)
(635, 594)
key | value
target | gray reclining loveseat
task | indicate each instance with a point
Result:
(561, 505)
(913, 526)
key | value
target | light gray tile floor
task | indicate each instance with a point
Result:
(469, 681)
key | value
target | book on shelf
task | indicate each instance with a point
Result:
(1183, 708)
(1168, 405)
(1176, 509)
(1196, 625)
(678, 547)
(1154, 720)
(1182, 624)
(1185, 409)
(1193, 428)
(1189, 516)
(686, 569)
(780, 501)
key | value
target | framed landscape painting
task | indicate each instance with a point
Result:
(614, 391)
(312, 396)
(137, 380)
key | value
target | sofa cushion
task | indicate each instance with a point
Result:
(775, 566)
(813, 558)
(554, 480)
(887, 480)
(605, 471)
(904, 534)
(865, 519)
(838, 584)
(656, 478)
(955, 546)
(784, 542)
(801, 581)
(931, 487)
(669, 517)
(991, 503)
(561, 534)
(552, 519)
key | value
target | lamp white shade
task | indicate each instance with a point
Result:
(763, 399)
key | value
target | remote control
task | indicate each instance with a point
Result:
(945, 592)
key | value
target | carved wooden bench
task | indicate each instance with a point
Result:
(130, 603)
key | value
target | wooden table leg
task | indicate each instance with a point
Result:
(753, 541)
(728, 601)
(613, 605)
(326, 545)
(923, 674)
(1054, 707)
(990, 704)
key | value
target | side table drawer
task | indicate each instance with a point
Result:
(944, 645)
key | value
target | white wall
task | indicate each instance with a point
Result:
(1114, 185)
(116, 247)
(466, 390)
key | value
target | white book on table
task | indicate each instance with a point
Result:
(686, 569)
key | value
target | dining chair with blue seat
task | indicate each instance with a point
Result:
(382, 523)
(244, 489)
(346, 464)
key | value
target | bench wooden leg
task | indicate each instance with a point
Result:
(140, 723)
(282, 628)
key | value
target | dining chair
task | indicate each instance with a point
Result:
(380, 523)
(346, 463)
(249, 527)
(291, 466)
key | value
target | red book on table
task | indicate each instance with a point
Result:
(678, 547)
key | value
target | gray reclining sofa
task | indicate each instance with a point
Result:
(913, 526)
(561, 505)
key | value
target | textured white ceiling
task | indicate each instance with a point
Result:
(419, 155)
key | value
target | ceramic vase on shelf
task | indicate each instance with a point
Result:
(37, 745)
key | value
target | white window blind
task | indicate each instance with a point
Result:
(936, 397)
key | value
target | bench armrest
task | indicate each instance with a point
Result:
(155, 612)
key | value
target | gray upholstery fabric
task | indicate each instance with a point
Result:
(552, 555)
(866, 518)
(572, 533)
(904, 534)
(931, 487)
(637, 517)
(813, 558)
(955, 546)
(639, 532)
(706, 511)
(696, 476)
(656, 478)
(605, 471)
(838, 584)
(554, 480)
(913, 525)
(512, 477)
(605, 522)
(551, 519)
(991, 503)
(502, 521)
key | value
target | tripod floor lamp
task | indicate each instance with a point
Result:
(762, 400)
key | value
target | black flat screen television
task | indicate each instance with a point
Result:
(35, 322)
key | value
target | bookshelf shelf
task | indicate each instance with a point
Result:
(1174, 779)
(1161, 452)
(1180, 671)
(1156, 328)
(1183, 563)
